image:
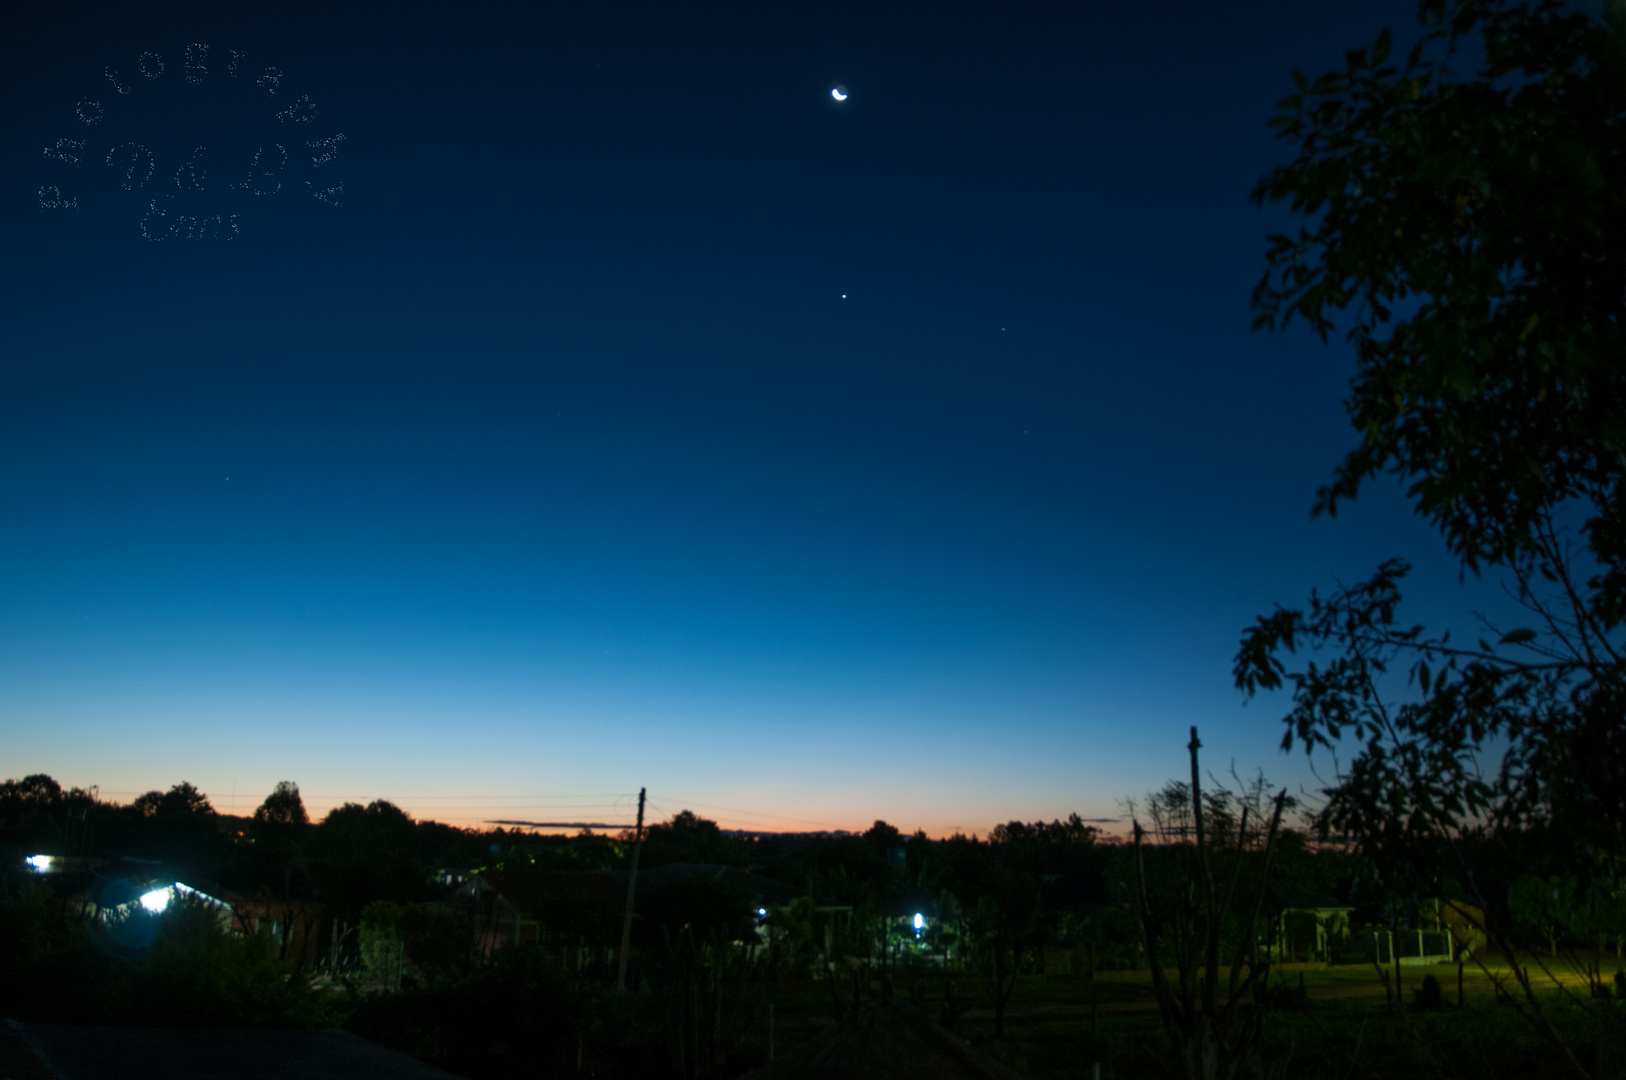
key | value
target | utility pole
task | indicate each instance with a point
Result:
(632, 884)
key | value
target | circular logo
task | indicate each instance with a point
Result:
(194, 145)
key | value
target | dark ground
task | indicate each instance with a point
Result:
(107, 1053)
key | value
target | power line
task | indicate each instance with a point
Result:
(562, 824)
(613, 795)
(744, 813)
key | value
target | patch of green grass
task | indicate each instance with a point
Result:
(1347, 1030)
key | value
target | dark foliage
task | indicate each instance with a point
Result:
(516, 1017)
(368, 853)
(1492, 208)
(1428, 997)
(1469, 230)
(195, 973)
(712, 911)
(688, 838)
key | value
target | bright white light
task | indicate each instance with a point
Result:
(920, 921)
(762, 912)
(155, 901)
(839, 93)
(39, 862)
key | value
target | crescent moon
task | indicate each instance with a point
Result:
(839, 93)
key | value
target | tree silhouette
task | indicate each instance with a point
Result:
(283, 807)
(1471, 231)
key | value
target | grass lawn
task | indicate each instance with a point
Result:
(1343, 1026)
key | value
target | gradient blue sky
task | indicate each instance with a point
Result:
(643, 417)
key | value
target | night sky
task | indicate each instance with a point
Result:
(612, 407)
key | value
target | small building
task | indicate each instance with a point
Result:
(1313, 934)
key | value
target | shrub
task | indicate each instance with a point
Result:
(200, 974)
(1428, 997)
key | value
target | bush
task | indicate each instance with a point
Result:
(1428, 997)
(422, 943)
(49, 968)
(519, 1016)
(1287, 996)
(194, 973)
(199, 974)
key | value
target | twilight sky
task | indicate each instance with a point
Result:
(610, 407)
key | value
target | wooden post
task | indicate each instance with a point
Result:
(1394, 955)
(632, 884)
